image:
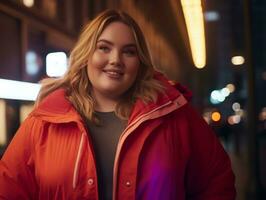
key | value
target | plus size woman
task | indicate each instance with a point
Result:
(114, 128)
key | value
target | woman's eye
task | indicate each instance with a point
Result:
(104, 49)
(130, 52)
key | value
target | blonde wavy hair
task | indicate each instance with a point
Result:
(76, 82)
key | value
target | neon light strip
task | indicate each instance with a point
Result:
(18, 90)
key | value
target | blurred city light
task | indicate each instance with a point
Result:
(240, 112)
(214, 101)
(193, 15)
(28, 3)
(230, 87)
(230, 120)
(56, 64)
(238, 60)
(234, 119)
(207, 116)
(216, 116)
(3, 137)
(214, 97)
(236, 106)
(211, 16)
(221, 98)
(225, 92)
(206, 119)
(32, 65)
(18, 90)
(215, 94)
(264, 76)
(218, 96)
(262, 115)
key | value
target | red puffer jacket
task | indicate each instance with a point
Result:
(167, 151)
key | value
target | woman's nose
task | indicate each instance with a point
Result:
(115, 58)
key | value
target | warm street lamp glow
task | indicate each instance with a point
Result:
(216, 116)
(193, 14)
(238, 60)
(28, 3)
(231, 87)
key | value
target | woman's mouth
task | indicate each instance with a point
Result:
(114, 73)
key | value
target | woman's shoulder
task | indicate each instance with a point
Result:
(55, 108)
(172, 86)
(56, 101)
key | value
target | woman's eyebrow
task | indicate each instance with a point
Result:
(111, 43)
(131, 45)
(105, 41)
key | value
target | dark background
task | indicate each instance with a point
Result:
(239, 29)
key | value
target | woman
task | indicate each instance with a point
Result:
(112, 127)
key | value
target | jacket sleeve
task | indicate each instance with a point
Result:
(17, 167)
(209, 174)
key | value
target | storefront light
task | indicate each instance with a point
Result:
(56, 64)
(18, 90)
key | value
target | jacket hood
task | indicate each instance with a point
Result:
(56, 107)
(183, 90)
(170, 94)
(178, 87)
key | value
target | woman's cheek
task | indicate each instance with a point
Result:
(134, 66)
(98, 60)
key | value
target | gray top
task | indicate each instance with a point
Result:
(104, 139)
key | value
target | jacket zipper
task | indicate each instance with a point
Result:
(177, 103)
(77, 163)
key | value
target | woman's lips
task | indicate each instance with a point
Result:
(113, 73)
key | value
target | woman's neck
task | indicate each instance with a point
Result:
(104, 103)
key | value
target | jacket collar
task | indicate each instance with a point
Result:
(172, 91)
(56, 108)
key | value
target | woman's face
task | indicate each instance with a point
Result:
(113, 67)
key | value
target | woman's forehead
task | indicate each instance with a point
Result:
(117, 32)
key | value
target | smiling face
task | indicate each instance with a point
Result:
(113, 66)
